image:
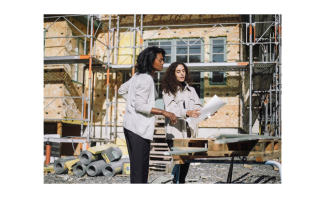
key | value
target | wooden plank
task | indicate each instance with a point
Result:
(159, 162)
(265, 158)
(161, 156)
(157, 152)
(161, 149)
(238, 153)
(49, 168)
(269, 145)
(69, 164)
(193, 139)
(180, 159)
(159, 136)
(159, 144)
(100, 148)
(180, 148)
(159, 132)
(277, 145)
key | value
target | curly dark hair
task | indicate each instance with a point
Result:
(170, 83)
(147, 57)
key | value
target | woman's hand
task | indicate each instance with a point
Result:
(170, 115)
(193, 113)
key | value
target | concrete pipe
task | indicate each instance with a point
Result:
(79, 169)
(112, 154)
(86, 157)
(113, 168)
(59, 165)
(95, 168)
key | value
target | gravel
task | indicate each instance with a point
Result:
(200, 173)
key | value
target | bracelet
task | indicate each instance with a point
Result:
(159, 111)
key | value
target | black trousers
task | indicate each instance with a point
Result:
(139, 149)
(183, 167)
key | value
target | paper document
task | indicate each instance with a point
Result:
(213, 105)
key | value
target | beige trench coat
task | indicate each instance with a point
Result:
(174, 104)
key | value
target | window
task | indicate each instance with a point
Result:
(77, 45)
(198, 83)
(178, 50)
(218, 54)
(166, 45)
(188, 54)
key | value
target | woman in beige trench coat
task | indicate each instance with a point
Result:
(182, 100)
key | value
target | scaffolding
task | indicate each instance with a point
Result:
(271, 62)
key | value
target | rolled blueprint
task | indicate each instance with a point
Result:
(213, 105)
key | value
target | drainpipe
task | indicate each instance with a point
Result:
(48, 152)
(250, 73)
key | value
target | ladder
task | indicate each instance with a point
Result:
(158, 161)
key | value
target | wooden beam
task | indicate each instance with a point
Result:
(265, 158)
(98, 149)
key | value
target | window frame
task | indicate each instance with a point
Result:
(224, 60)
(79, 40)
(174, 47)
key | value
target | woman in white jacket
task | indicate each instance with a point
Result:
(182, 100)
(139, 120)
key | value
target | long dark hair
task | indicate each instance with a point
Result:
(147, 57)
(170, 83)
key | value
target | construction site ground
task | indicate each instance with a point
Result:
(199, 173)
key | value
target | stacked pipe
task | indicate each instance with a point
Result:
(112, 154)
(87, 157)
(107, 162)
(113, 168)
(79, 169)
(95, 168)
(59, 165)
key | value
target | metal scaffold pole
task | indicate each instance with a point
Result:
(92, 130)
(250, 73)
(89, 78)
(276, 100)
(280, 75)
(115, 108)
(141, 35)
(271, 107)
(134, 32)
(107, 77)
(276, 85)
(117, 40)
(265, 116)
(82, 102)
